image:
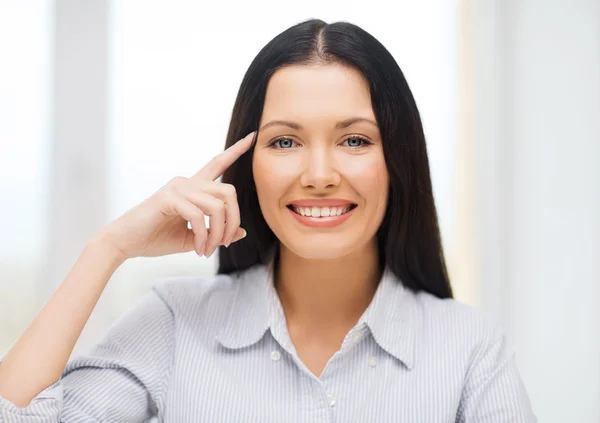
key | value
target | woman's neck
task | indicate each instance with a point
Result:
(333, 291)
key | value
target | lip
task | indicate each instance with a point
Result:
(322, 222)
(334, 202)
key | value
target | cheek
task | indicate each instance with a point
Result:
(273, 175)
(282, 168)
(368, 175)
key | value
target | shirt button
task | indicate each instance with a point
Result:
(275, 355)
(356, 338)
(331, 400)
(372, 361)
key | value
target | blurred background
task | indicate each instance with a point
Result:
(102, 102)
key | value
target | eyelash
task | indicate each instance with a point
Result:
(365, 142)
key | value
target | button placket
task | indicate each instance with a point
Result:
(331, 399)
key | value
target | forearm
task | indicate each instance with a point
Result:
(38, 358)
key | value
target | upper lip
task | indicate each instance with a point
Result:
(334, 202)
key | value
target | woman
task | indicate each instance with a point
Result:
(334, 306)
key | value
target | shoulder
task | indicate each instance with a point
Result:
(455, 315)
(455, 325)
(474, 345)
(179, 291)
(190, 295)
(205, 304)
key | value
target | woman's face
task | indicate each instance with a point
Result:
(314, 157)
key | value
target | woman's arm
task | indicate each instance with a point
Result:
(38, 358)
(156, 227)
(124, 378)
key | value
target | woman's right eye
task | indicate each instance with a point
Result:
(284, 143)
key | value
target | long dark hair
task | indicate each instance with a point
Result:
(409, 238)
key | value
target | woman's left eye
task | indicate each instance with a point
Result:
(352, 141)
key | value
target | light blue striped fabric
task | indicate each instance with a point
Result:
(218, 351)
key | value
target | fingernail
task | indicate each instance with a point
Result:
(245, 233)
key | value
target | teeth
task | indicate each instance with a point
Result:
(321, 211)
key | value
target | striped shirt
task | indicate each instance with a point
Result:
(217, 350)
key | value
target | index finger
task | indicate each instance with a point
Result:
(219, 164)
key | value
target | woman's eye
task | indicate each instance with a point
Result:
(357, 142)
(284, 143)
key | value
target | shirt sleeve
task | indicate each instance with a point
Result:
(494, 391)
(122, 379)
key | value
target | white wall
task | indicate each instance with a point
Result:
(537, 102)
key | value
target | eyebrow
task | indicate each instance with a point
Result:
(340, 125)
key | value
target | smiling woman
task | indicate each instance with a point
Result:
(333, 304)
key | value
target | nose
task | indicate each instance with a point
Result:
(319, 169)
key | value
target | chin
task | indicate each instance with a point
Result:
(319, 250)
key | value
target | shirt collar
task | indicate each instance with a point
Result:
(253, 310)
(391, 319)
(249, 307)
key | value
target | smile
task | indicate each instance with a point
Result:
(321, 211)
(322, 217)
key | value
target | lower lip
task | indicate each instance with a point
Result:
(322, 222)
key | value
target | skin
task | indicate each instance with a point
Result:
(327, 276)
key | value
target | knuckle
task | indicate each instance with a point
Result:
(219, 207)
(177, 182)
(230, 190)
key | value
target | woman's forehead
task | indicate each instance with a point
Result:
(323, 92)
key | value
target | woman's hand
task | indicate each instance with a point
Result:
(159, 225)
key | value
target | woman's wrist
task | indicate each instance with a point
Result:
(101, 244)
